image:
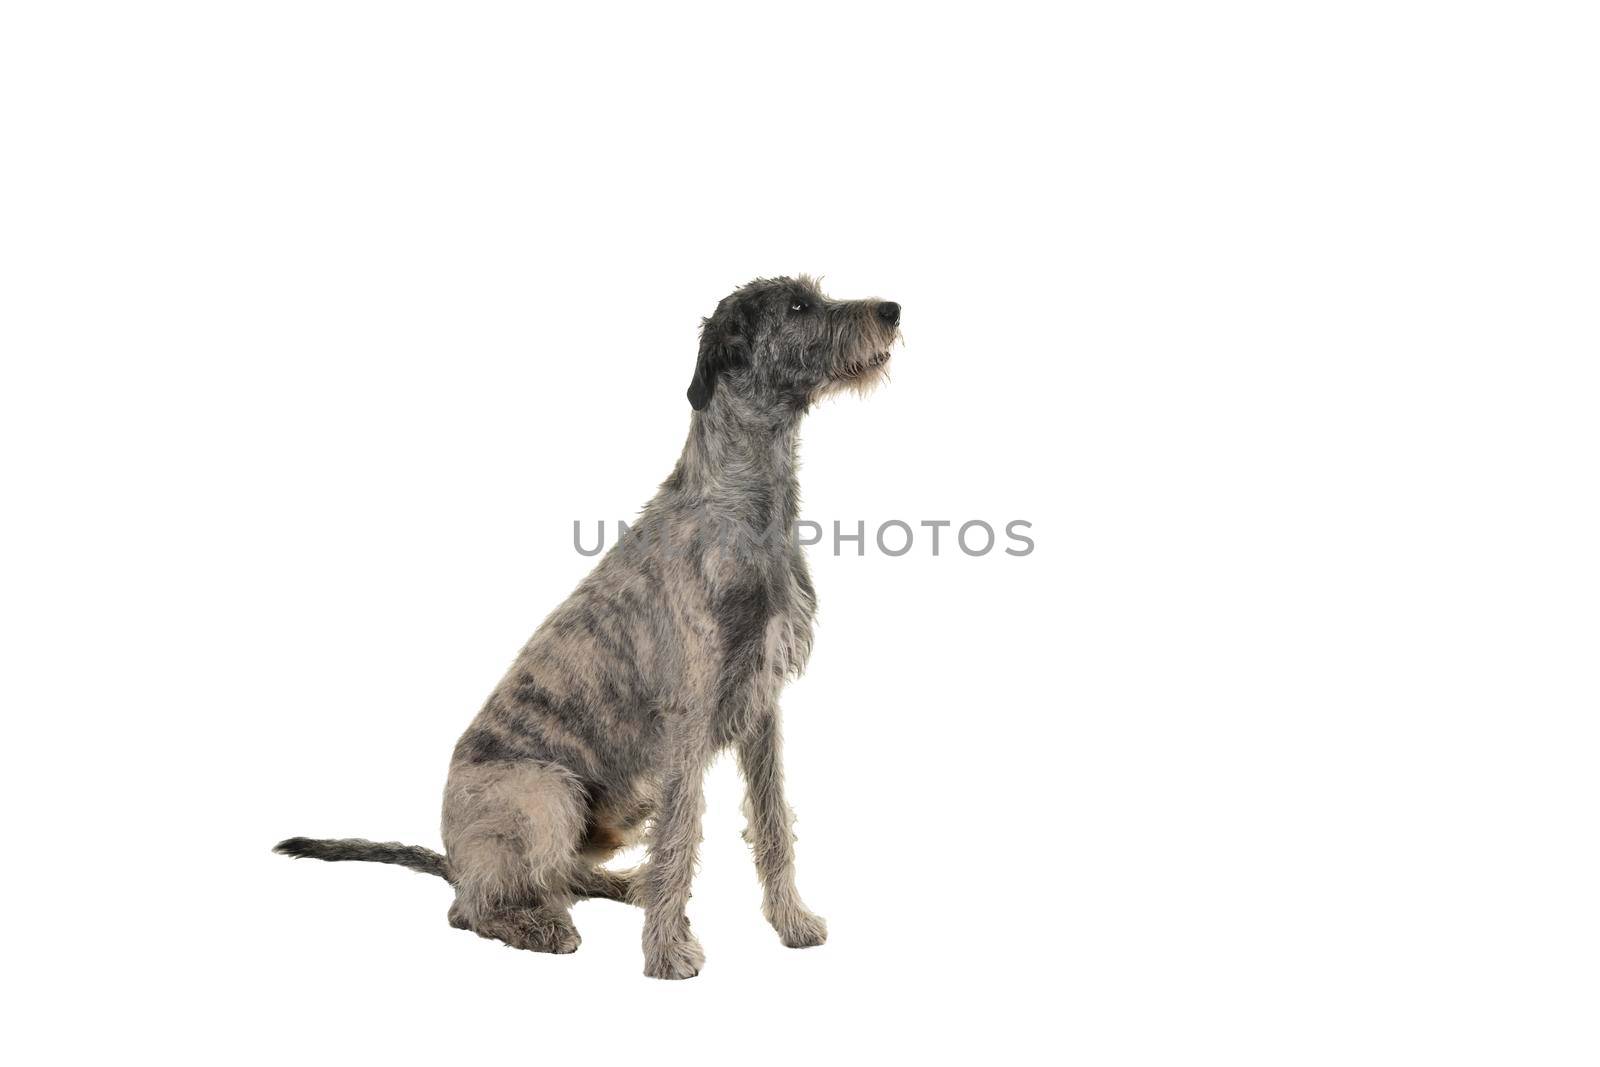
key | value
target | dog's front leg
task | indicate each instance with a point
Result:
(772, 839)
(670, 950)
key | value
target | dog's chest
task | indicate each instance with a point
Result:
(786, 644)
(790, 633)
(766, 624)
(766, 632)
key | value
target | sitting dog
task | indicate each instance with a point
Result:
(675, 647)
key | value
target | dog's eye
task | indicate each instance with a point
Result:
(798, 307)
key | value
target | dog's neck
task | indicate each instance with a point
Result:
(740, 462)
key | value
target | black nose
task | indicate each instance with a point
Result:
(889, 312)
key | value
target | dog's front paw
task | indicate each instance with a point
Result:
(800, 928)
(681, 957)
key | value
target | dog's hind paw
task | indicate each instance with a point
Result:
(681, 958)
(532, 929)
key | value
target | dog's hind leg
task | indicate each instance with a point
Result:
(601, 883)
(771, 838)
(611, 829)
(512, 829)
(537, 928)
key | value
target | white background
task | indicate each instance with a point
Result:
(323, 321)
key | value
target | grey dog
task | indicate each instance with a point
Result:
(674, 648)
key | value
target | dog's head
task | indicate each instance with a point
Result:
(779, 342)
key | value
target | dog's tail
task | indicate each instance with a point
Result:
(416, 857)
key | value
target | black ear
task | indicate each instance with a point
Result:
(723, 346)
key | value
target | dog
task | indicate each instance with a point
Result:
(674, 648)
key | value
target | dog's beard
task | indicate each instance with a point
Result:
(863, 372)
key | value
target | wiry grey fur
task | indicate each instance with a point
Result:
(675, 647)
